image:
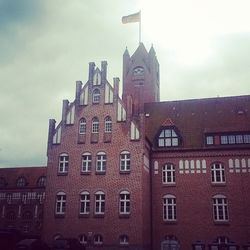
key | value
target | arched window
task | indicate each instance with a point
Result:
(82, 126)
(101, 160)
(95, 125)
(21, 182)
(124, 207)
(96, 97)
(125, 161)
(108, 124)
(169, 207)
(170, 242)
(60, 203)
(220, 208)
(11, 215)
(98, 239)
(84, 203)
(124, 240)
(63, 163)
(41, 182)
(99, 203)
(83, 239)
(86, 163)
(218, 173)
(168, 174)
(27, 215)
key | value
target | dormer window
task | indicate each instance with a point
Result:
(168, 138)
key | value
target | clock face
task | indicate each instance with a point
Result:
(138, 71)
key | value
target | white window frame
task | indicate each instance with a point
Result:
(83, 239)
(108, 124)
(125, 161)
(168, 174)
(86, 163)
(220, 208)
(95, 125)
(63, 166)
(84, 202)
(168, 138)
(98, 239)
(99, 203)
(60, 203)
(96, 96)
(124, 239)
(82, 126)
(218, 173)
(169, 207)
(124, 203)
(21, 182)
(101, 162)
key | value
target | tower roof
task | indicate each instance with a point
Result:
(140, 51)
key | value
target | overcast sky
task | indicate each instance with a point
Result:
(203, 48)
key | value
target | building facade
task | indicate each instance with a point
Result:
(22, 194)
(137, 173)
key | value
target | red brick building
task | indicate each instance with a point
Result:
(143, 174)
(22, 194)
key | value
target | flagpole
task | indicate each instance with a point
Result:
(140, 29)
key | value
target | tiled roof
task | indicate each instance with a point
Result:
(194, 118)
(30, 173)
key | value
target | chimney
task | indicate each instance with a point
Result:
(78, 93)
(64, 111)
(104, 71)
(116, 82)
(52, 126)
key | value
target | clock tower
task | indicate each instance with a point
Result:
(140, 79)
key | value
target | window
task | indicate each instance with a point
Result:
(41, 182)
(124, 239)
(86, 163)
(168, 138)
(60, 203)
(82, 126)
(210, 140)
(168, 174)
(84, 203)
(2, 182)
(11, 216)
(220, 208)
(99, 203)
(101, 160)
(21, 182)
(95, 125)
(98, 239)
(63, 163)
(169, 208)
(96, 96)
(108, 124)
(83, 239)
(124, 202)
(27, 215)
(125, 161)
(218, 173)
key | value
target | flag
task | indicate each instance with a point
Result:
(133, 18)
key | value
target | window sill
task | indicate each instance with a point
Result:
(86, 173)
(124, 216)
(124, 171)
(62, 174)
(218, 184)
(169, 184)
(84, 215)
(170, 222)
(222, 223)
(100, 172)
(59, 216)
(98, 215)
